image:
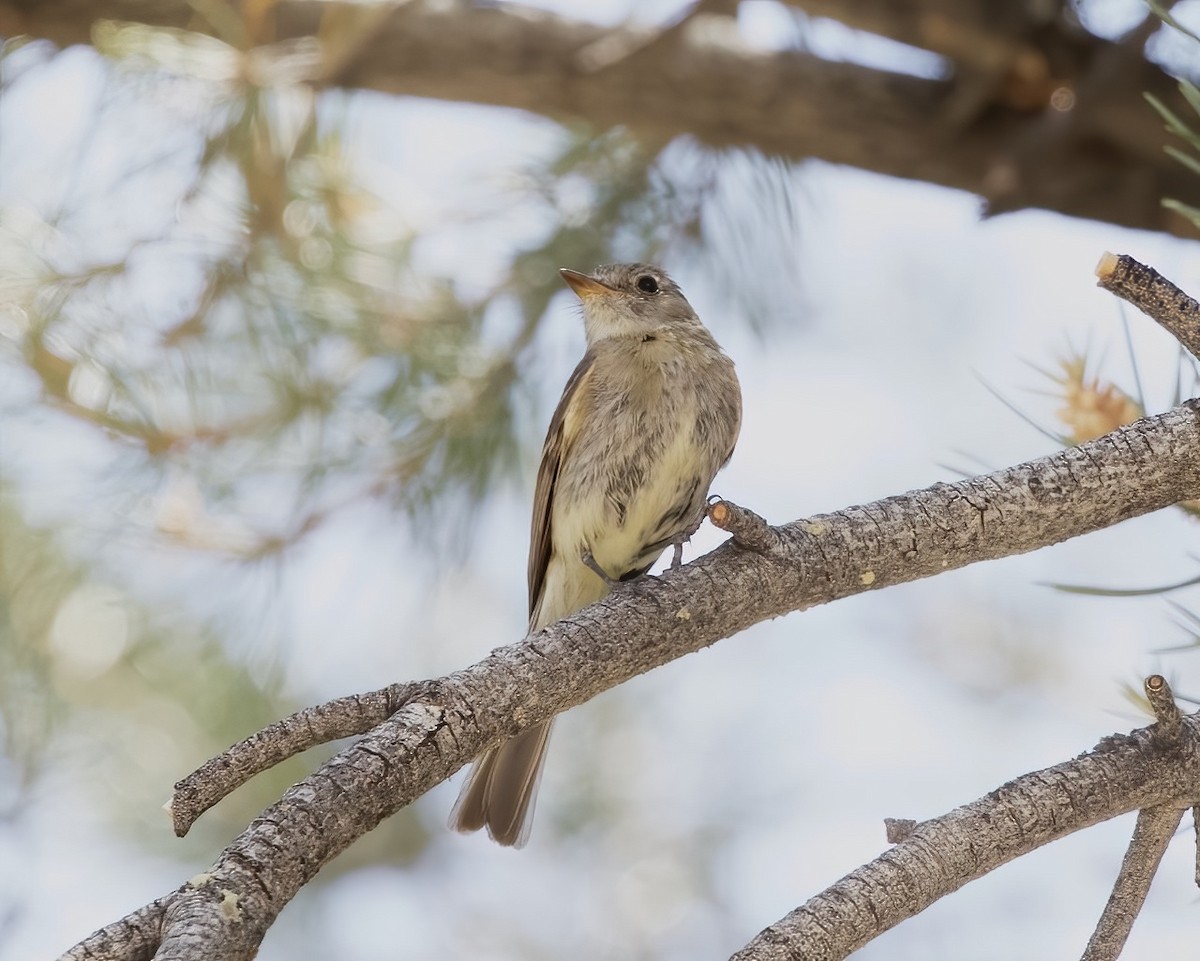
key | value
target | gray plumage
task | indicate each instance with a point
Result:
(646, 420)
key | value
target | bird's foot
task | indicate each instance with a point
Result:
(677, 557)
(683, 538)
(590, 563)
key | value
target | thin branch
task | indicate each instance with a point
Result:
(274, 744)
(1153, 295)
(1121, 591)
(135, 937)
(941, 855)
(1153, 832)
(748, 529)
(1162, 702)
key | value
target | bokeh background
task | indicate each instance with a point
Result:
(275, 366)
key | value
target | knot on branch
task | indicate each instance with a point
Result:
(899, 829)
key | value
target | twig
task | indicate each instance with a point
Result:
(225, 773)
(899, 829)
(133, 938)
(1154, 295)
(748, 529)
(1153, 832)
(1162, 702)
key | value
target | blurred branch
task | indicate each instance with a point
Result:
(973, 33)
(1108, 163)
(307, 350)
(1139, 468)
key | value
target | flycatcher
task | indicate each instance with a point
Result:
(645, 422)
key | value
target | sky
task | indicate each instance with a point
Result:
(742, 789)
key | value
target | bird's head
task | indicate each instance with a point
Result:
(629, 300)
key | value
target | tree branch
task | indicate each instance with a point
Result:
(1139, 468)
(1153, 832)
(982, 37)
(1122, 774)
(135, 937)
(1162, 702)
(433, 729)
(748, 529)
(1154, 295)
(700, 81)
(336, 719)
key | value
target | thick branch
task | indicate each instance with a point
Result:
(1122, 774)
(977, 34)
(700, 81)
(1139, 468)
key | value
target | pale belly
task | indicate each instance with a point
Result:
(665, 504)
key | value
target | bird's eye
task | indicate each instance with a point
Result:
(647, 284)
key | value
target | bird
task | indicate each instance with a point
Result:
(647, 418)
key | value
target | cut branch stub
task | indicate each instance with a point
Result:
(1154, 295)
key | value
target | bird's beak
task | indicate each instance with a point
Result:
(583, 285)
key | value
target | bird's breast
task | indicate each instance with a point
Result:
(638, 469)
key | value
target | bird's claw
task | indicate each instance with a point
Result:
(677, 557)
(590, 563)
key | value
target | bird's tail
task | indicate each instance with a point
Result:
(502, 788)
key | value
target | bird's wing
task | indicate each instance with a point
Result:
(564, 428)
